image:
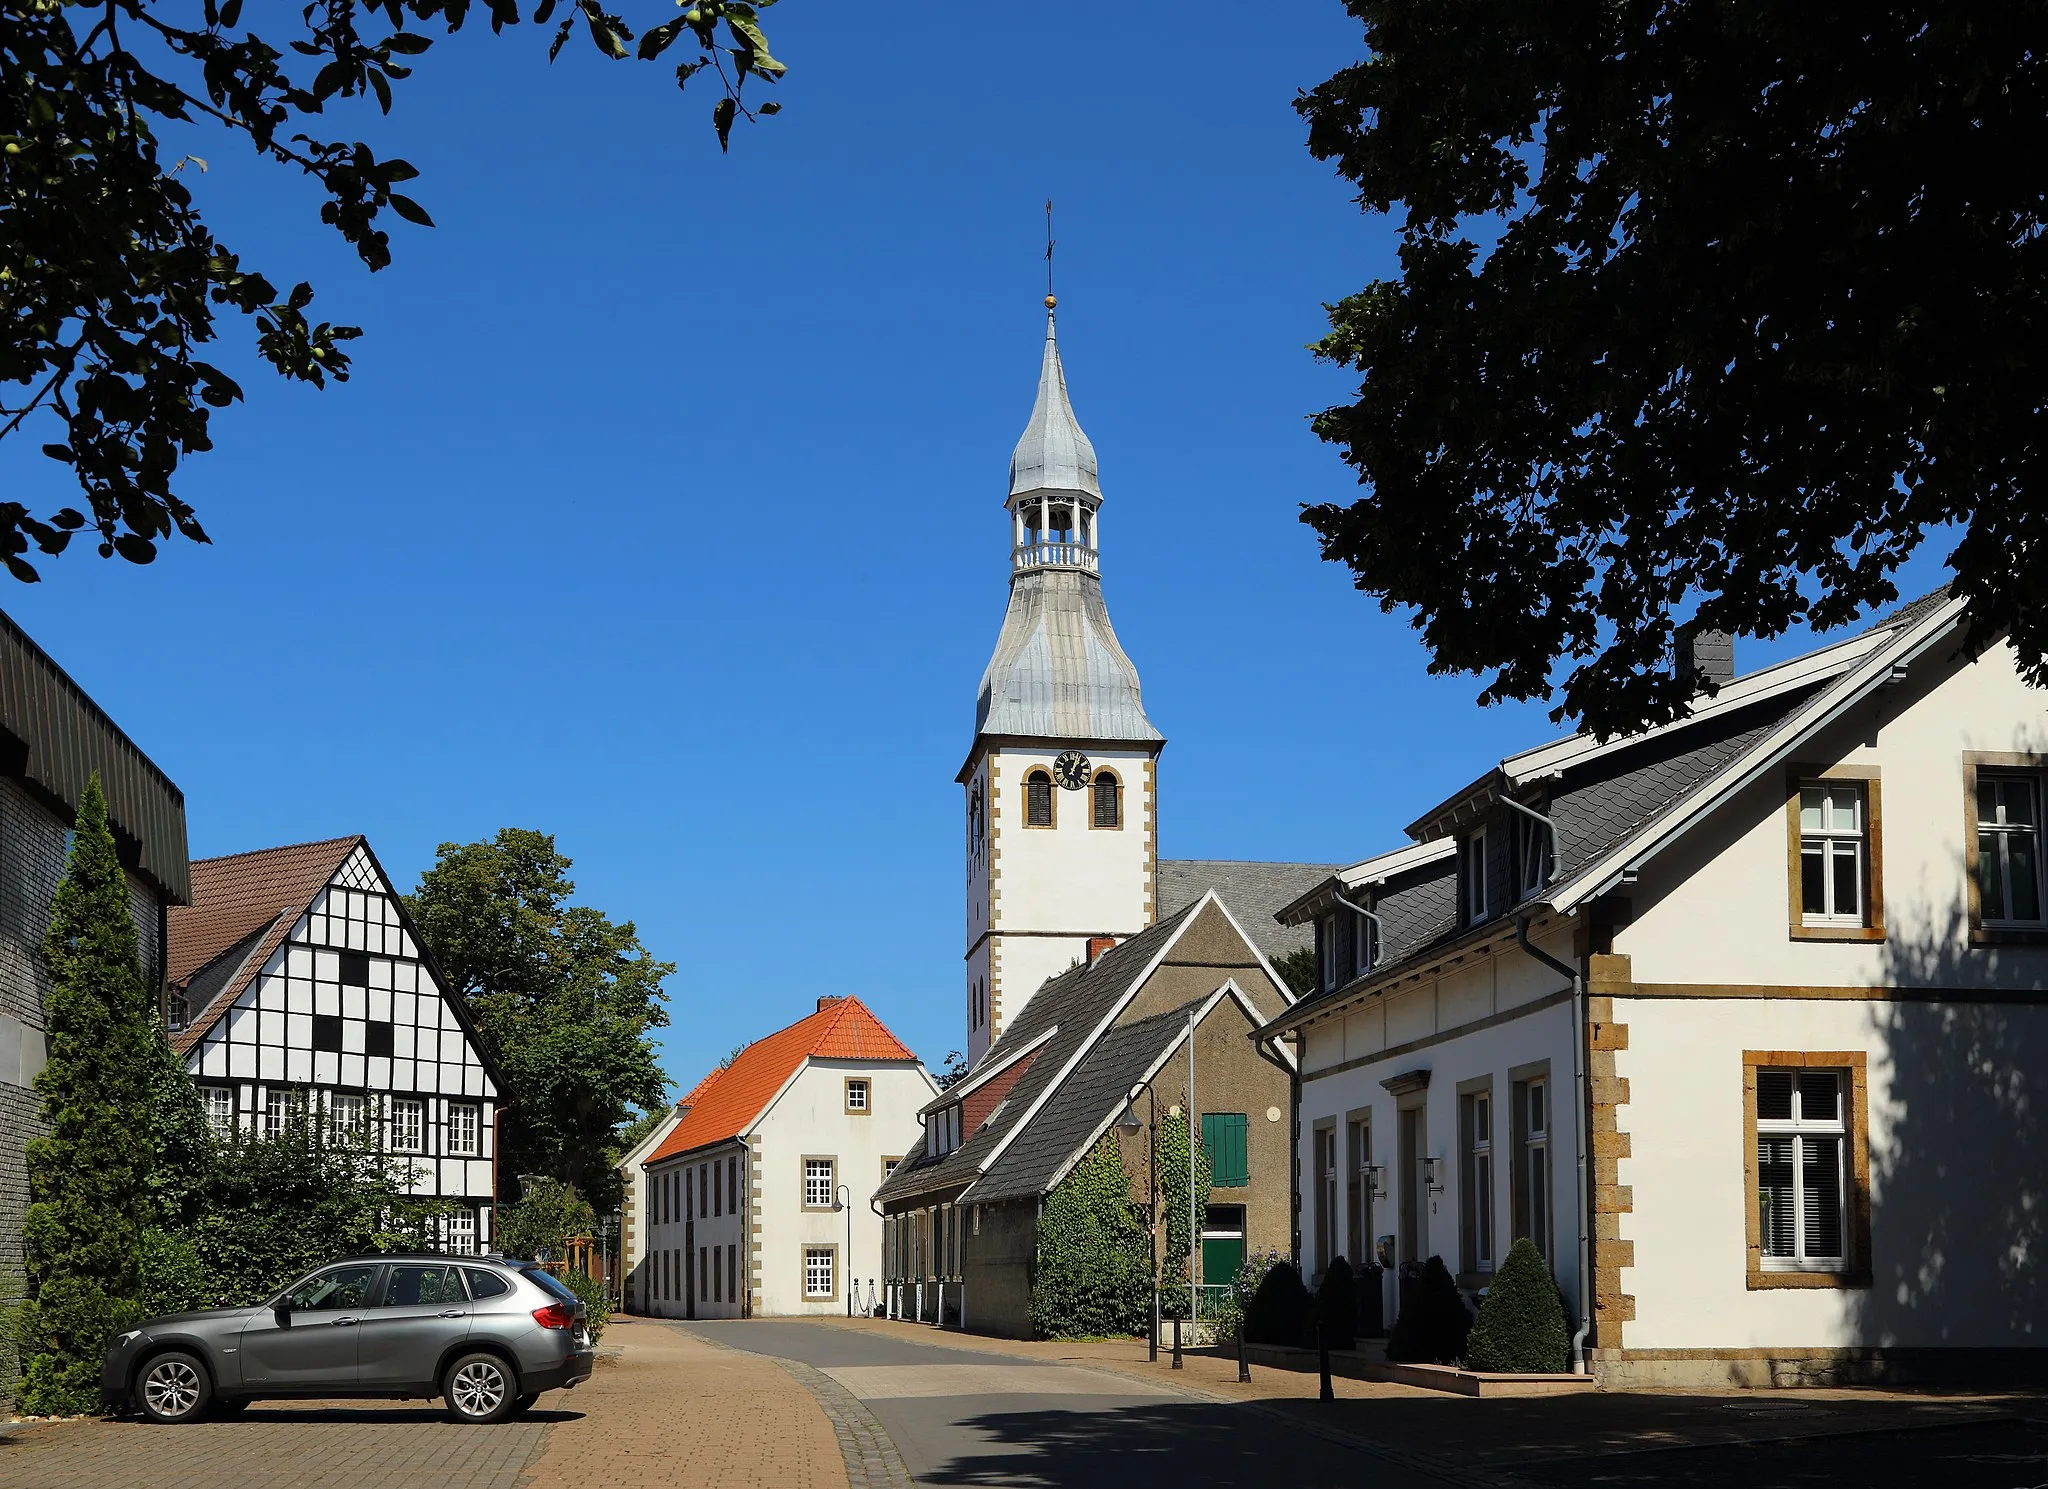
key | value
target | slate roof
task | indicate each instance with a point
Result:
(1254, 891)
(727, 1102)
(1091, 1096)
(243, 906)
(1074, 1003)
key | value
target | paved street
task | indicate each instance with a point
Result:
(844, 1405)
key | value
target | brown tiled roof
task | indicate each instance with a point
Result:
(234, 897)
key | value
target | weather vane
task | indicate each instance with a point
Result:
(1049, 301)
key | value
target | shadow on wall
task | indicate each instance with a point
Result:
(1959, 1218)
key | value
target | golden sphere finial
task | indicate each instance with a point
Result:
(1050, 302)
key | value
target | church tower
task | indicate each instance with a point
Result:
(1062, 822)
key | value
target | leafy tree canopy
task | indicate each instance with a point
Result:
(1706, 314)
(539, 1224)
(564, 998)
(110, 279)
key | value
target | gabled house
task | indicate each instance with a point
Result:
(53, 737)
(298, 982)
(757, 1196)
(963, 1207)
(1734, 1019)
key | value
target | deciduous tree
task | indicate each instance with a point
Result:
(1706, 315)
(564, 998)
(110, 279)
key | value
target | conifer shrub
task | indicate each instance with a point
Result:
(1092, 1273)
(1279, 1311)
(1337, 1305)
(1434, 1323)
(1521, 1324)
(89, 1176)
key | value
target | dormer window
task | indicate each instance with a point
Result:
(177, 1013)
(942, 1131)
(1474, 886)
(1533, 865)
(1344, 948)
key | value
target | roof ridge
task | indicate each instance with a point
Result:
(355, 837)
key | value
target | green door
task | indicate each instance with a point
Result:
(1222, 1259)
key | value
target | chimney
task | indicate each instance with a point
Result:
(828, 1000)
(1713, 655)
(1097, 945)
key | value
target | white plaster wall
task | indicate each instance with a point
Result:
(1959, 1199)
(1715, 909)
(979, 1037)
(686, 1235)
(1543, 1034)
(810, 1119)
(1070, 878)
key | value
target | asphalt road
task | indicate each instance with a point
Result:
(966, 1416)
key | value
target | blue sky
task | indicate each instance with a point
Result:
(664, 511)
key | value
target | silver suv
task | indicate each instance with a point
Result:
(486, 1334)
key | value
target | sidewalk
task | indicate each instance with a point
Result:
(1493, 1434)
(666, 1411)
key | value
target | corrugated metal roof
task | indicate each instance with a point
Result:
(59, 737)
(1058, 671)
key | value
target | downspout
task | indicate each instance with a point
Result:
(1579, 1100)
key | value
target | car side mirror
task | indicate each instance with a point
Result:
(283, 1312)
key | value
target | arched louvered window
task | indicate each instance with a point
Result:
(1038, 799)
(1109, 800)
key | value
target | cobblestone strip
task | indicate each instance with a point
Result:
(872, 1461)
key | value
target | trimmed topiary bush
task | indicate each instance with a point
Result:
(1434, 1323)
(1279, 1310)
(1337, 1305)
(1521, 1324)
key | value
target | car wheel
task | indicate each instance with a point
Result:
(480, 1388)
(173, 1388)
(525, 1403)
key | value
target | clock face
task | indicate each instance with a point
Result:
(1071, 770)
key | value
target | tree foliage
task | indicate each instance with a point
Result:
(1175, 1187)
(1298, 970)
(538, 1226)
(1521, 1325)
(89, 1176)
(1089, 1279)
(1337, 1304)
(1434, 1320)
(112, 278)
(564, 998)
(1278, 1309)
(1705, 315)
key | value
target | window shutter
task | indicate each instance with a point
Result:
(1225, 1138)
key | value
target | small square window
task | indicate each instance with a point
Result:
(857, 1096)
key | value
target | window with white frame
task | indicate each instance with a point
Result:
(219, 1102)
(1476, 1179)
(1474, 870)
(1325, 1141)
(277, 1106)
(1802, 1143)
(820, 1183)
(818, 1269)
(465, 1129)
(462, 1233)
(2008, 849)
(177, 1013)
(857, 1095)
(345, 1111)
(1532, 856)
(408, 1125)
(1833, 853)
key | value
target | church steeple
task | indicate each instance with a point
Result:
(1061, 778)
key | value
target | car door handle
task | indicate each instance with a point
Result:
(453, 1313)
(340, 1321)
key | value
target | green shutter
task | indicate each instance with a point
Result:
(1224, 1138)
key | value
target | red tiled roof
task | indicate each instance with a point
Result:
(726, 1102)
(232, 898)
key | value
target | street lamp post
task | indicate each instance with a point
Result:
(844, 1195)
(1129, 1124)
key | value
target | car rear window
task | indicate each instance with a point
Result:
(547, 1282)
(484, 1284)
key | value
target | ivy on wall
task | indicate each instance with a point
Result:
(1173, 1199)
(1090, 1279)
